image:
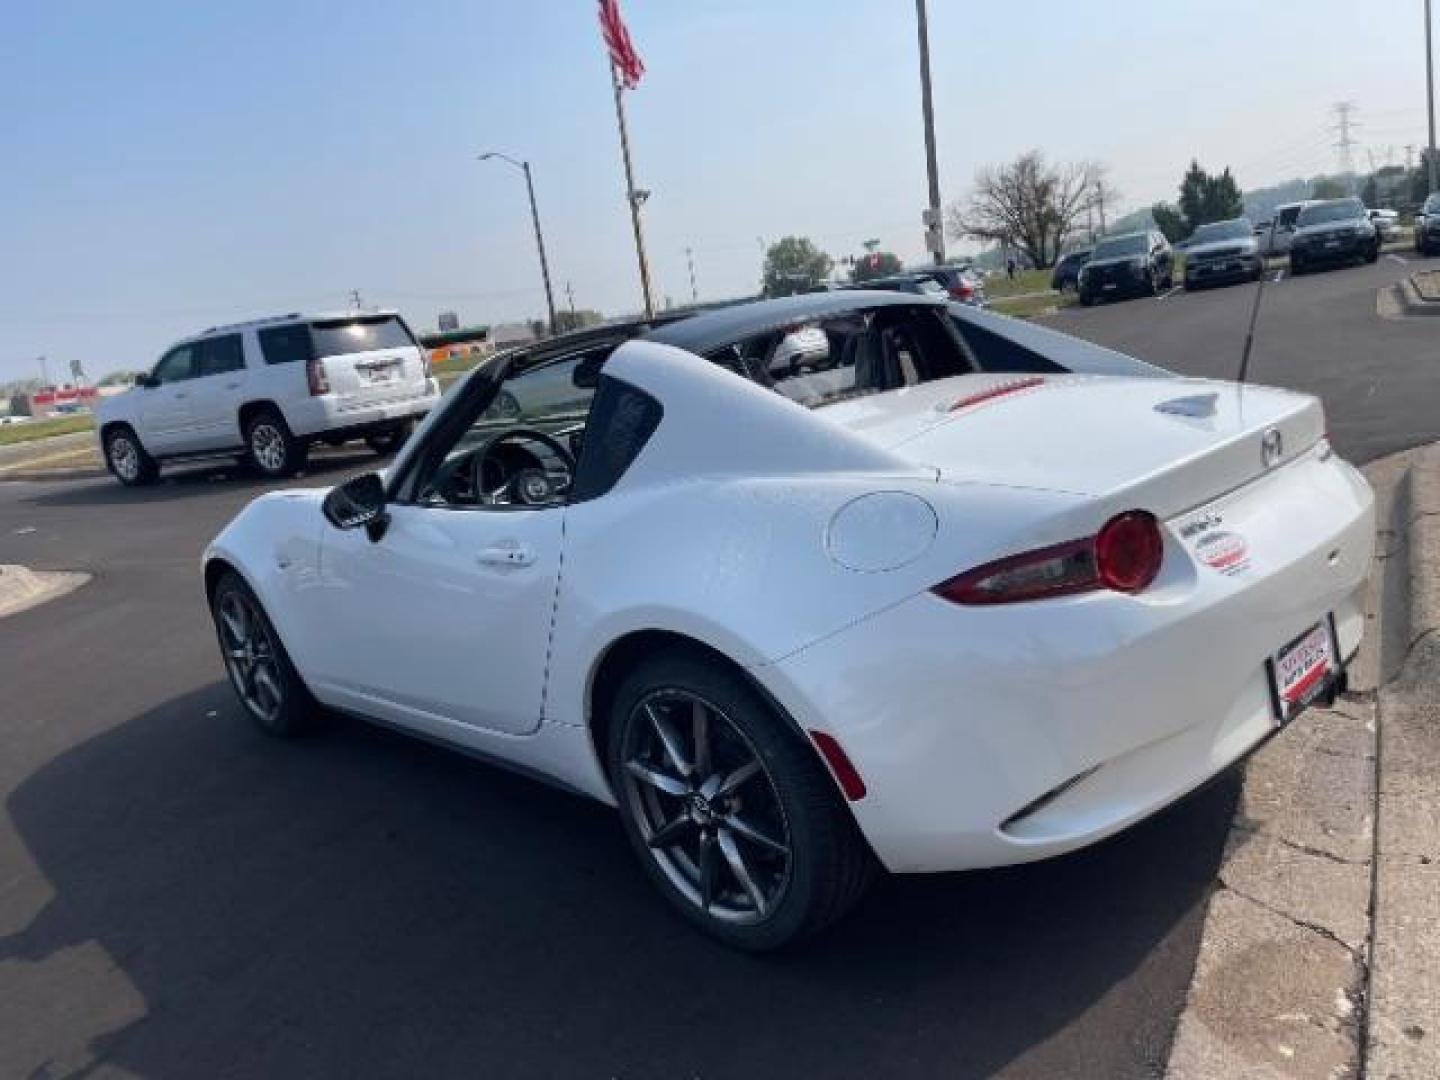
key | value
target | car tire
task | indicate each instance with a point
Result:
(794, 863)
(271, 449)
(1297, 266)
(261, 673)
(126, 458)
(1150, 288)
(389, 442)
(1086, 299)
(1373, 255)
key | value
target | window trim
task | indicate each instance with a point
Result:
(470, 400)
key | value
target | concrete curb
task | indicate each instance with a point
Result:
(1406, 301)
(1320, 954)
(1402, 1033)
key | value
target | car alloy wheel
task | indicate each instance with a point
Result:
(250, 657)
(124, 458)
(706, 807)
(267, 446)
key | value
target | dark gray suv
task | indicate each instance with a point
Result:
(1331, 231)
(1132, 264)
(1223, 251)
(1427, 225)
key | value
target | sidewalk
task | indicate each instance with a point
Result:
(1321, 950)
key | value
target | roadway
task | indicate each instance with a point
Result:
(181, 896)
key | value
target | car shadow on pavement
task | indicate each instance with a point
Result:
(359, 903)
(186, 481)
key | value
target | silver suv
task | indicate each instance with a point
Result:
(266, 390)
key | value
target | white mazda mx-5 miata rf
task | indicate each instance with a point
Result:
(811, 586)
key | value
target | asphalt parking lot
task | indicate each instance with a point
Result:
(181, 896)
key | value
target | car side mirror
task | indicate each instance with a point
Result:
(145, 381)
(359, 501)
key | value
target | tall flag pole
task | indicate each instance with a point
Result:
(626, 69)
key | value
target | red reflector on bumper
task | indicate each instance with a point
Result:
(850, 782)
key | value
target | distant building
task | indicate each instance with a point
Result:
(511, 335)
(49, 400)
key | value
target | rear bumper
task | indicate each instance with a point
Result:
(327, 414)
(1350, 247)
(962, 720)
(1236, 268)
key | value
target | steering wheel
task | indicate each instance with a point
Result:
(535, 486)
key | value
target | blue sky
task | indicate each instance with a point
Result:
(169, 165)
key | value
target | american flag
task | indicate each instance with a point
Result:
(617, 40)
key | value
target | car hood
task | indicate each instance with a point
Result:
(1169, 443)
(1242, 246)
(1324, 228)
(1117, 260)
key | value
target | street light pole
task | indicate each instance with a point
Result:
(1430, 101)
(524, 166)
(933, 225)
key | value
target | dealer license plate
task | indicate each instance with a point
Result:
(1304, 669)
(380, 374)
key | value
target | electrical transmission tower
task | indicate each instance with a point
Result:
(1344, 129)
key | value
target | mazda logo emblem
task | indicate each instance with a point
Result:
(1272, 447)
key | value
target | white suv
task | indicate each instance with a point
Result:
(265, 390)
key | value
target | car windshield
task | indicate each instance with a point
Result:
(1236, 229)
(1320, 213)
(1120, 246)
(336, 337)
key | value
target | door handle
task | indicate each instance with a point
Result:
(180, 394)
(506, 555)
(232, 386)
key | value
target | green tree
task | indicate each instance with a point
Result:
(1370, 193)
(566, 321)
(1327, 187)
(875, 264)
(1203, 198)
(794, 265)
(1169, 221)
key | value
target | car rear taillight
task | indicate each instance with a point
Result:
(1124, 556)
(315, 377)
(962, 291)
(1128, 551)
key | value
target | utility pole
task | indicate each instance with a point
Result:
(524, 166)
(634, 197)
(1409, 155)
(44, 372)
(355, 304)
(690, 259)
(570, 295)
(1430, 101)
(1345, 140)
(935, 233)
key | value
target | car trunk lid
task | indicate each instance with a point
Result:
(1164, 445)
